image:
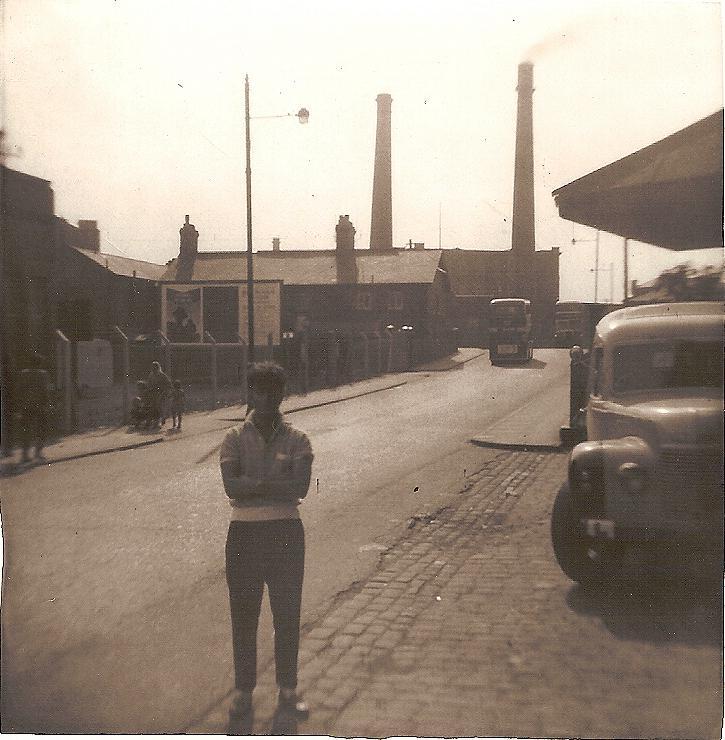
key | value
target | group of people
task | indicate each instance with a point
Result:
(157, 398)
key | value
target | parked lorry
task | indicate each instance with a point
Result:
(647, 484)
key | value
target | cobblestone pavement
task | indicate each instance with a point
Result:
(468, 627)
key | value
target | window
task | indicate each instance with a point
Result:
(363, 300)
(681, 364)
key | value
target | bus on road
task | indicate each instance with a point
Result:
(509, 330)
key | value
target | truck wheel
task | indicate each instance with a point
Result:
(582, 558)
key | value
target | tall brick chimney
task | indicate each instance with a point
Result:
(381, 227)
(188, 241)
(523, 237)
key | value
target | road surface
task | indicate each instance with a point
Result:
(115, 614)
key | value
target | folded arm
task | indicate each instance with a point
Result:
(289, 488)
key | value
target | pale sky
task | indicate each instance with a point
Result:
(134, 110)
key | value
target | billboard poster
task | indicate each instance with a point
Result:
(182, 314)
(267, 301)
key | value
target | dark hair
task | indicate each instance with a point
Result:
(265, 375)
(177, 384)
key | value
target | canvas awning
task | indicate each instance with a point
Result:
(670, 193)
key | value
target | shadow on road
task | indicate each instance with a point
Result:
(534, 365)
(656, 612)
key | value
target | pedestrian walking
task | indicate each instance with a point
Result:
(159, 385)
(265, 467)
(34, 396)
(177, 399)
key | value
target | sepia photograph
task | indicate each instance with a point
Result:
(361, 368)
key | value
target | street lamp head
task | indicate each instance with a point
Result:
(303, 115)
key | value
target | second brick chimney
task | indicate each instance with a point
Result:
(345, 261)
(188, 241)
(88, 236)
(345, 234)
(381, 223)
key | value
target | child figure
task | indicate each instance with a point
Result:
(140, 409)
(177, 404)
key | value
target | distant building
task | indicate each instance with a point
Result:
(94, 291)
(478, 276)
(27, 236)
(55, 277)
(342, 289)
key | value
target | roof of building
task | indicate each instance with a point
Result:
(125, 266)
(669, 193)
(308, 267)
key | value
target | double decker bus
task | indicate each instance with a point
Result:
(509, 330)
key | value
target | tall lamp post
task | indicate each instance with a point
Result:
(303, 115)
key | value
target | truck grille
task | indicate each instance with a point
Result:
(692, 481)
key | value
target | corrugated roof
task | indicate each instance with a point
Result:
(125, 266)
(306, 267)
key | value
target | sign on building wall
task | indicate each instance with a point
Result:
(267, 303)
(181, 315)
(188, 311)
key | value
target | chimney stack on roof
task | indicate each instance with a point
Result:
(345, 234)
(188, 241)
(345, 262)
(381, 227)
(88, 236)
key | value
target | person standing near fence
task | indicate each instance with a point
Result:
(34, 396)
(177, 400)
(159, 385)
(265, 467)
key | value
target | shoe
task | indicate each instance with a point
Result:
(241, 714)
(293, 705)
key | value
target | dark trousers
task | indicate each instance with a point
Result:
(271, 552)
(33, 428)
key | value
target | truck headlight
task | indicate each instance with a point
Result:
(633, 477)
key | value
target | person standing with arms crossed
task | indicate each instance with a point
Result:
(265, 466)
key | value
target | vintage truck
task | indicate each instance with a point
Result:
(645, 490)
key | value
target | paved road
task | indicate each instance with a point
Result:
(469, 628)
(114, 611)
